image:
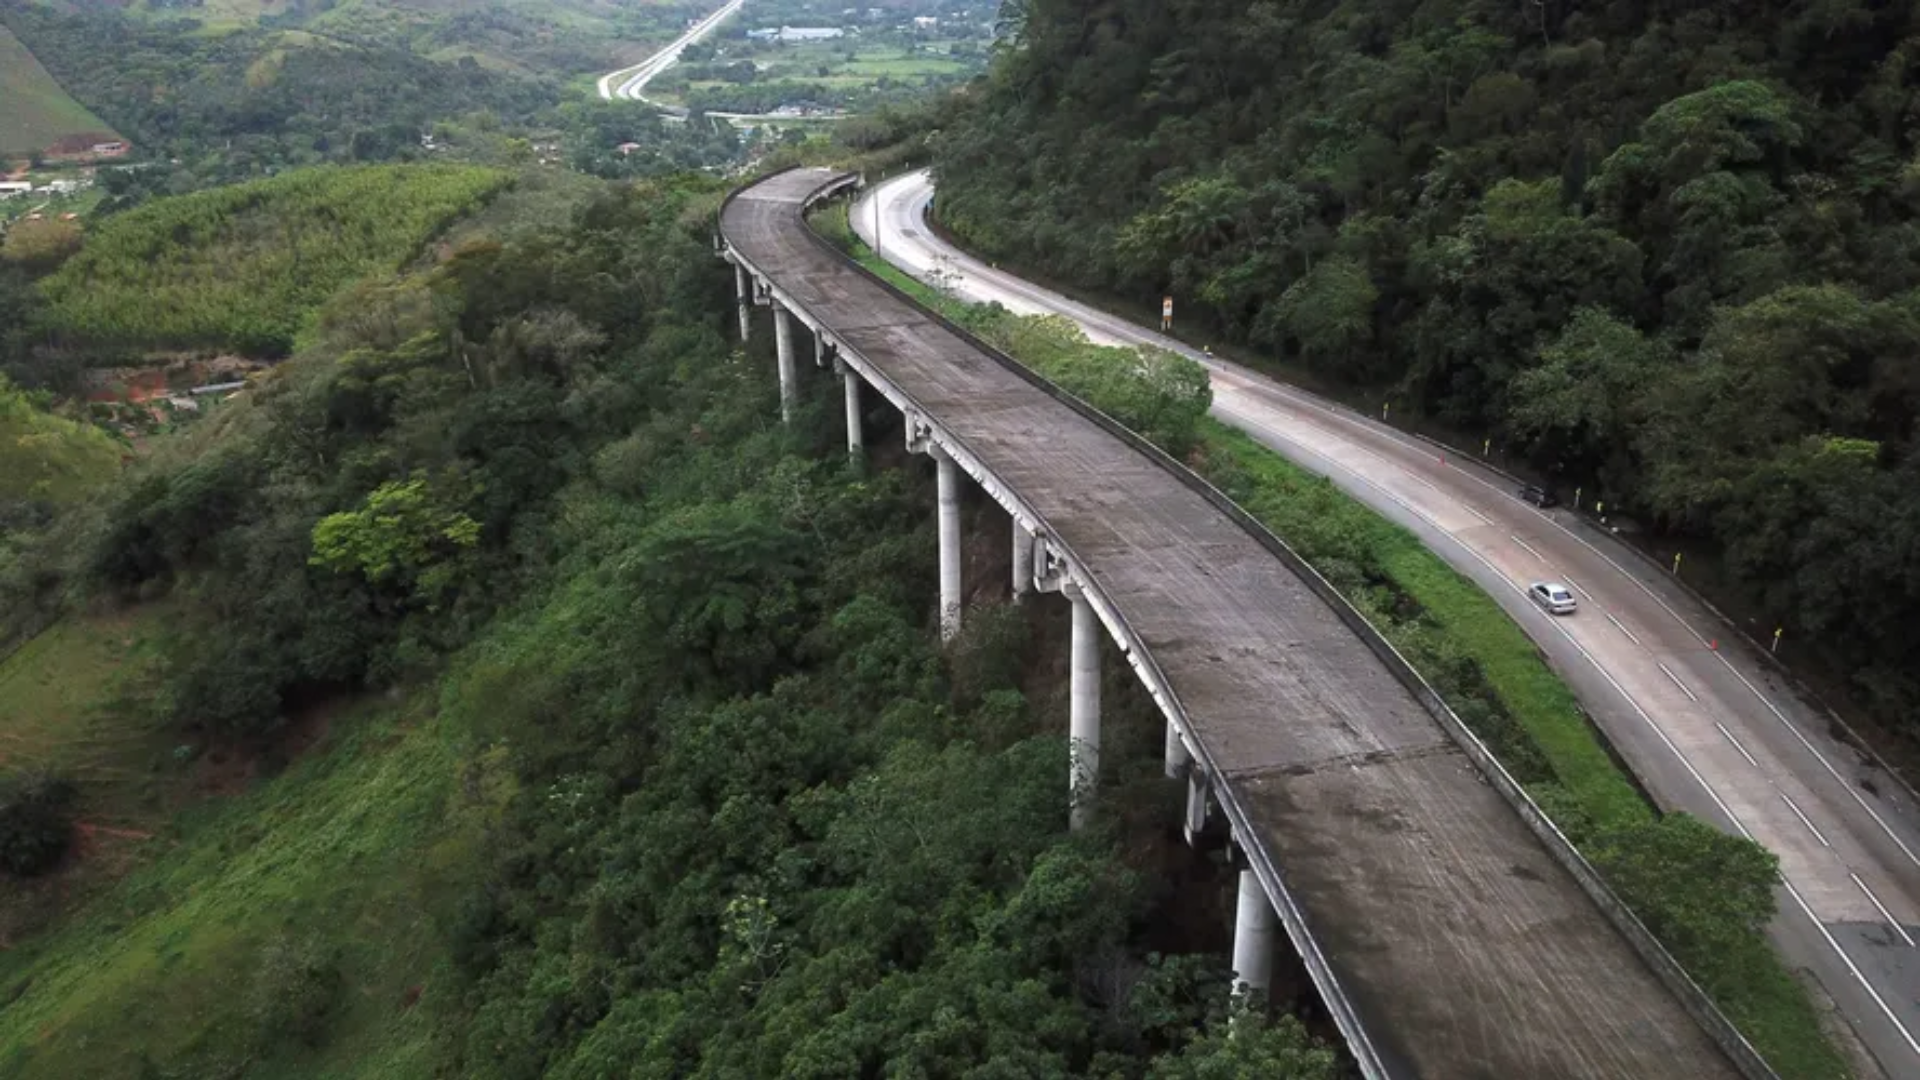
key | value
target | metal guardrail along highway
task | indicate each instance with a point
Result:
(1449, 937)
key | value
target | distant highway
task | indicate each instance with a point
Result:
(627, 83)
(1708, 728)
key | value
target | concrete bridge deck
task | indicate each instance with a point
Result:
(1464, 948)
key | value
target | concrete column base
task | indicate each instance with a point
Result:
(1022, 561)
(1178, 761)
(1253, 930)
(947, 482)
(1083, 718)
(1196, 826)
(783, 346)
(856, 438)
(744, 288)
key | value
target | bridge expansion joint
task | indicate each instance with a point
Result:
(1360, 759)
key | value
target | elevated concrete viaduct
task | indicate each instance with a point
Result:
(1448, 926)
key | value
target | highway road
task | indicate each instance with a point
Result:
(1709, 730)
(630, 83)
(627, 84)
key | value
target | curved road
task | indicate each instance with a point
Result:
(1709, 730)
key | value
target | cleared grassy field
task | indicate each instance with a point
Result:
(54, 697)
(59, 697)
(35, 112)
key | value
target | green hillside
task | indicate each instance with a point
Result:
(546, 38)
(245, 267)
(35, 113)
(45, 457)
(555, 712)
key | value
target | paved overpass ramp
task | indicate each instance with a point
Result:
(1451, 936)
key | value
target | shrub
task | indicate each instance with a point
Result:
(36, 822)
(296, 988)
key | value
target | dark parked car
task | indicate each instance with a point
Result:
(1538, 496)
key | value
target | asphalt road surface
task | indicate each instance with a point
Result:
(1709, 730)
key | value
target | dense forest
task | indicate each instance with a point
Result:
(244, 267)
(1669, 251)
(640, 754)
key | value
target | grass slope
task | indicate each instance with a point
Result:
(1526, 714)
(46, 456)
(35, 113)
(57, 696)
(313, 896)
(244, 267)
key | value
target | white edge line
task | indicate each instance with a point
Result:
(1811, 827)
(1882, 909)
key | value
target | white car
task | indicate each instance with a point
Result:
(1553, 597)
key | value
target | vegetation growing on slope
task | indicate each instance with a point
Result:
(39, 113)
(1669, 251)
(708, 800)
(1706, 895)
(246, 267)
(235, 106)
(46, 458)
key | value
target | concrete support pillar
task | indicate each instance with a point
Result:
(1083, 710)
(1196, 820)
(1178, 760)
(819, 349)
(743, 285)
(1022, 561)
(783, 345)
(947, 481)
(856, 439)
(1253, 928)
